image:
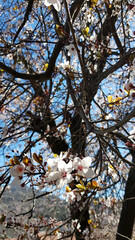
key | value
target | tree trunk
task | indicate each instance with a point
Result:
(80, 212)
(79, 209)
(126, 222)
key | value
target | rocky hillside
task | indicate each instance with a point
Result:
(49, 206)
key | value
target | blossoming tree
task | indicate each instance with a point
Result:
(67, 88)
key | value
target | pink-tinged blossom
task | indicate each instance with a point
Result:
(53, 162)
(56, 4)
(75, 224)
(62, 174)
(128, 86)
(17, 172)
(83, 167)
(71, 49)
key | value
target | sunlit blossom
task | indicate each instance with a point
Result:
(62, 174)
(17, 172)
(83, 167)
(55, 3)
(53, 162)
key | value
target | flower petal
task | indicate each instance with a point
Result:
(88, 173)
(57, 6)
(53, 176)
(47, 3)
(86, 161)
(61, 166)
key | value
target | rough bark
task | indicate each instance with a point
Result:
(79, 210)
(126, 222)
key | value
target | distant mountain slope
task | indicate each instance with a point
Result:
(49, 205)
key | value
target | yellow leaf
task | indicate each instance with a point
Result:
(25, 160)
(95, 202)
(45, 67)
(81, 183)
(40, 158)
(68, 189)
(59, 30)
(49, 169)
(16, 161)
(11, 161)
(85, 31)
(92, 185)
(80, 187)
(127, 91)
(110, 99)
(117, 101)
(15, 8)
(37, 158)
(94, 2)
(89, 221)
(111, 167)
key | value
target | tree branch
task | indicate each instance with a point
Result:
(26, 16)
(117, 125)
(117, 65)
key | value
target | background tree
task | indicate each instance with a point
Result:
(67, 72)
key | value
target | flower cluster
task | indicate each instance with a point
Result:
(130, 91)
(60, 170)
(63, 173)
(18, 169)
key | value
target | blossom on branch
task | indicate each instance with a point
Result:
(83, 167)
(71, 50)
(60, 172)
(129, 86)
(56, 4)
(53, 162)
(62, 175)
(17, 172)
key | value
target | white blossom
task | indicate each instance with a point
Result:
(53, 162)
(62, 174)
(17, 172)
(55, 3)
(71, 49)
(83, 167)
